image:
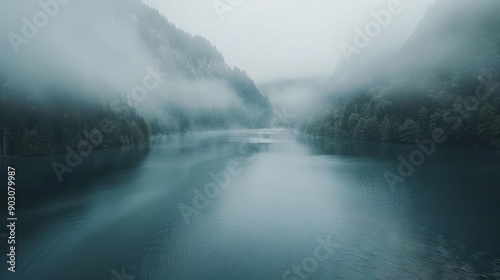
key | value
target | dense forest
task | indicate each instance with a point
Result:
(52, 100)
(445, 79)
(33, 126)
(465, 120)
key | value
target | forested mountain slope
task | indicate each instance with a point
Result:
(120, 62)
(446, 76)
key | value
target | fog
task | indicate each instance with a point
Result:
(403, 59)
(82, 46)
(434, 46)
(81, 39)
(302, 139)
(192, 96)
(282, 39)
(89, 48)
(293, 98)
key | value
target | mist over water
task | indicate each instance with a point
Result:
(250, 140)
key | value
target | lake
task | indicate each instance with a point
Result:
(257, 204)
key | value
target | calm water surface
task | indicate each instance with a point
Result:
(117, 216)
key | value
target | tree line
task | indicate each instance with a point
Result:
(466, 118)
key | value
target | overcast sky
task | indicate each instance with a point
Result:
(282, 39)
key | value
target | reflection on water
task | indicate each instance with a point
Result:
(120, 209)
(36, 175)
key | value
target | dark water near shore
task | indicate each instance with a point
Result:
(116, 216)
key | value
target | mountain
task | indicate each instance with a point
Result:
(445, 78)
(67, 66)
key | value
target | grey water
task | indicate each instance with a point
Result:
(257, 204)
